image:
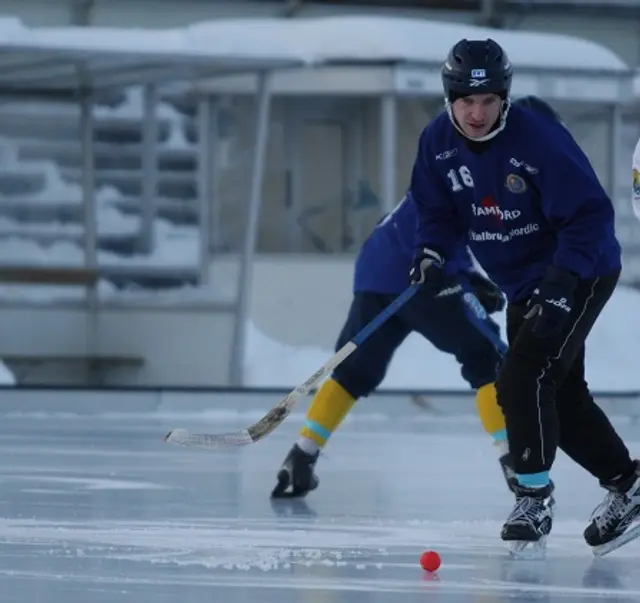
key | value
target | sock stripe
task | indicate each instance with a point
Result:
(317, 429)
(500, 435)
(533, 480)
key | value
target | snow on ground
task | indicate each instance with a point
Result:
(611, 356)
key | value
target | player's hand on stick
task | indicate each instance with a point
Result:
(487, 292)
(427, 270)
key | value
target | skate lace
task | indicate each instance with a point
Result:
(610, 510)
(526, 510)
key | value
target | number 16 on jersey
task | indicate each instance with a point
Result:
(459, 177)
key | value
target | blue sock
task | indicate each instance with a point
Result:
(533, 480)
(500, 435)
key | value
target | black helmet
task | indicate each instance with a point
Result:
(539, 106)
(476, 67)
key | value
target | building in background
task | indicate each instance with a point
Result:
(328, 175)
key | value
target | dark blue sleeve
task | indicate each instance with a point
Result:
(436, 218)
(464, 259)
(575, 203)
(460, 262)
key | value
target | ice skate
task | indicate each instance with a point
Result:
(296, 477)
(614, 521)
(530, 522)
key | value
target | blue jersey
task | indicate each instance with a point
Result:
(384, 259)
(529, 199)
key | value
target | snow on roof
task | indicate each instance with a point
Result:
(10, 26)
(134, 43)
(378, 39)
(313, 41)
(111, 39)
(636, 83)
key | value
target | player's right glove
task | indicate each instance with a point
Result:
(487, 292)
(551, 303)
(427, 270)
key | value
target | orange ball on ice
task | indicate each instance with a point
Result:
(430, 561)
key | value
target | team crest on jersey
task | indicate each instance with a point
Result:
(516, 184)
(636, 182)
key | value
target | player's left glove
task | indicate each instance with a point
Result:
(427, 270)
(551, 303)
(487, 292)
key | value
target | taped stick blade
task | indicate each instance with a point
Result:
(183, 437)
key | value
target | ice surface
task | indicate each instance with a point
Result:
(96, 509)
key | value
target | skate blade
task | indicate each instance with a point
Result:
(281, 489)
(526, 549)
(604, 549)
(285, 490)
(287, 495)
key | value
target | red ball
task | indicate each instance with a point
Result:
(430, 561)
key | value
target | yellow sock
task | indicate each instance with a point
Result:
(328, 408)
(490, 413)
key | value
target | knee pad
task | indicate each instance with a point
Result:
(481, 367)
(357, 380)
(514, 373)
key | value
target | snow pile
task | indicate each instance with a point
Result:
(611, 356)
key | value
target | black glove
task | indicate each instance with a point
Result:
(427, 270)
(487, 292)
(551, 303)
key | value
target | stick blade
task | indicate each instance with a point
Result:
(183, 437)
(250, 435)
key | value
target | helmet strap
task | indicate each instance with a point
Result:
(501, 123)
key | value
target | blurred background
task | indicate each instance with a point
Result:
(173, 220)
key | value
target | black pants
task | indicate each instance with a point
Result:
(545, 398)
(442, 321)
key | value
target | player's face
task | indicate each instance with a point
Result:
(477, 114)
